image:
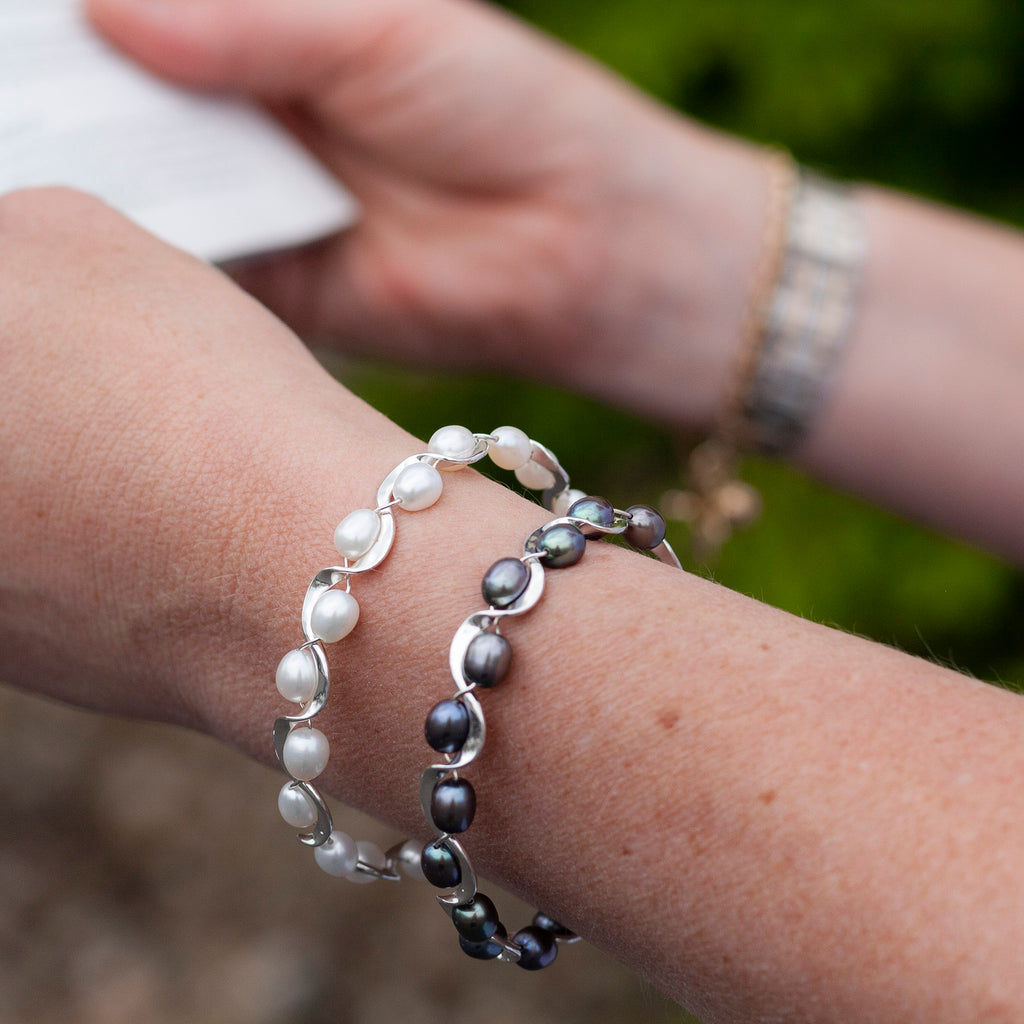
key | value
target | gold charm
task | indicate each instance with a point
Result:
(716, 503)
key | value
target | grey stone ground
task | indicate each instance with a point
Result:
(145, 878)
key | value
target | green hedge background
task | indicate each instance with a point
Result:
(922, 96)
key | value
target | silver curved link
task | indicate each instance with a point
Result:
(464, 892)
(395, 857)
(479, 451)
(664, 553)
(324, 824)
(619, 525)
(546, 457)
(386, 491)
(510, 954)
(385, 874)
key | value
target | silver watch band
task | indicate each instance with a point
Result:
(808, 318)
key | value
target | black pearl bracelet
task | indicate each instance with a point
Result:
(479, 658)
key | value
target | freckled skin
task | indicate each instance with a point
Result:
(668, 720)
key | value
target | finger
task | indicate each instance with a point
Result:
(387, 71)
(269, 48)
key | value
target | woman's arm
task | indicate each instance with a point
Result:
(527, 212)
(926, 415)
(764, 817)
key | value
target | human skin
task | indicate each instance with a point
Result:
(766, 818)
(527, 212)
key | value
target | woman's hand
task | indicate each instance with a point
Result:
(523, 210)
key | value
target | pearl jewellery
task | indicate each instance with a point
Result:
(479, 658)
(716, 502)
(330, 613)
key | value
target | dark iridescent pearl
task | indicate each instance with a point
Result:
(564, 545)
(598, 511)
(440, 867)
(447, 726)
(537, 947)
(476, 920)
(487, 659)
(488, 949)
(549, 924)
(646, 529)
(452, 805)
(505, 582)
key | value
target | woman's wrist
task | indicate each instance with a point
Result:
(924, 413)
(684, 235)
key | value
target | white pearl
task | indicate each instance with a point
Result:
(511, 449)
(410, 856)
(338, 855)
(452, 443)
(306, 752)
(297, 676)
(296, 808)
(418, 486)
(372, 854)
(535, 476)
(334, 615)
(566, 500)
(356, 533)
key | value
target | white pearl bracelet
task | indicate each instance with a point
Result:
(330, 612)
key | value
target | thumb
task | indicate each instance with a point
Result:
(265, 47)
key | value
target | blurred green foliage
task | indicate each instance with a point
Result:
(919, 95)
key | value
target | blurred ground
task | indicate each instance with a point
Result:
(146, 878)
